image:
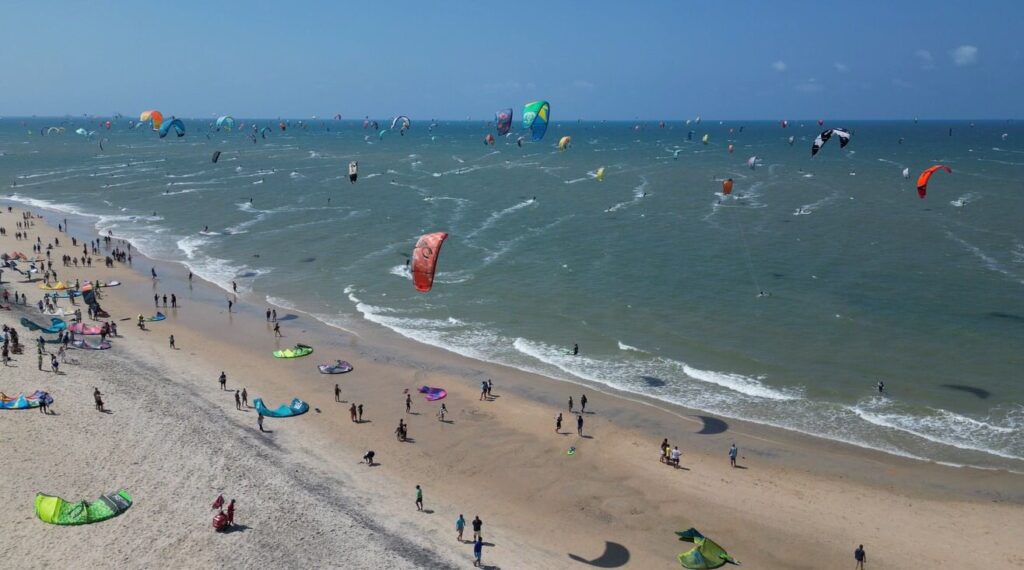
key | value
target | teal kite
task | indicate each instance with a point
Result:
(535, 117)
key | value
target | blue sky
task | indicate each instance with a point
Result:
(448, 59)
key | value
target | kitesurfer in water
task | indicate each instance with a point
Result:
(880, 386)
(353, 171)
(575, 349)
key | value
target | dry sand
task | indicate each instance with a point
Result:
(176, 441)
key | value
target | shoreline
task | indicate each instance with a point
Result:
(359, 326)
(613, 489)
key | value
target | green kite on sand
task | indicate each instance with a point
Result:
(56, 510)
(295, 352)
(705, 553)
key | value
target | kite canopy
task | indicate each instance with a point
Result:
(296, 408)
(705, 554)
(401, 121)
(56, 325)
(535, 117)
(503, 121)
(295, 352)
(23, 402)
(55, 510)
(152, 115)
(424, 260)
(226, 121)
(215, 157)
(176, 124)
(843, 134)
(922, 180)
(433, 394)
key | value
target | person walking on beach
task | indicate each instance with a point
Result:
(40, 358)
(442, 412)
(337, 393)
(238, 401)
(460, 525)
(223, 380)
(368, 457)
(234, 286)
(277, 330)
(359, 408)
(673, 458)
(483, 390)
(408, 403)
(419, 498)
(230, 304)
(268, 314)
(478, 551)
(732, 455)
(231, 513)
(152, 271)
(171, 338)
(477, 525)
(98, 397)
(156, 300)
(664, 450)
(174, 301)
(42, 405)
(583, 404)
(558, 423)
(259, 422)
(579, 424)
(273, 315)
(245, 397)
(860, 557)
(54, 364)
(352, 411)
(570, 404)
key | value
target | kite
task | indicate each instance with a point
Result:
(226, 121)
(176, 124)
(922, 180)
(503, 121)
(535, 117)
(152, 115)
(424, 259)
(843, 134)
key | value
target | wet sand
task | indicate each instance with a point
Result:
(175, 441)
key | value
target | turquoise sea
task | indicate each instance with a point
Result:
(656, 275)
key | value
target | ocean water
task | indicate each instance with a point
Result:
(652, 271)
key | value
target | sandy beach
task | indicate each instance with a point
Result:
(175, 441)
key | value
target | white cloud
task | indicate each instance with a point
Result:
(779, 66)
(927, 61)
(841, 67)
(582, 84)
(964, 55)
(810, 86)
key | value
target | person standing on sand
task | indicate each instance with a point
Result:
(234, 286)
(442, 412)
(40, 359)
(359, 408)
(483, 390)
(268, 314)
(583, 404)
(664, 450)
(477, 525)
(337, 393)
(259, 421)
(98, 397)
(478, 551)
(273, 315)
(674, 456)
(419, 498)
(42, 405)
(579, 424)
(352, 412)
(165, 299)
(223, 380)
(490, 386)
(558, 423)
(732, 455)
(171, 338)
(860, 557)
(156, 300)
(245, 397)
(174, 301)
(230, 304)
(189, 276)
(570, 404)
(152, 271)
(238, 401)
(231, 513)
(408, 403)
(460, 525)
